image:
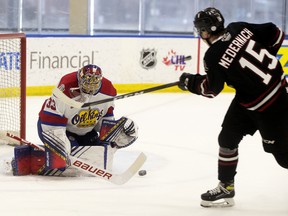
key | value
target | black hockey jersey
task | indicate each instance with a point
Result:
(244, 58)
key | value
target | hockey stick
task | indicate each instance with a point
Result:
(59, 94)
(91, 169)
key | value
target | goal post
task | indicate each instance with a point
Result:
(12, 86)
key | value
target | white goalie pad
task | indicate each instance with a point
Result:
(101, 156)
(123, 140)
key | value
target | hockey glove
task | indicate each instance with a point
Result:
(184, 81)
(89, 139)
(130, 128)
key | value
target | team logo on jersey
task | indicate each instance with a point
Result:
(148, 58)
(87, 118)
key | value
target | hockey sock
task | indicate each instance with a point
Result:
(227, 164)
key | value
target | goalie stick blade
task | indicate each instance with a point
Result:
(86, 167)
(120, 179)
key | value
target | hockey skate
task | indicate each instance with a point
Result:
(221, 196)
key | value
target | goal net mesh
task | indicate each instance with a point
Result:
(12, 87)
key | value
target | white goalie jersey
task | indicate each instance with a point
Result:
(56, 115)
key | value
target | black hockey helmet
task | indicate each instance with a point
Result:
(210, 20)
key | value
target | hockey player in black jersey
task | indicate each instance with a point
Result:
(242, 55)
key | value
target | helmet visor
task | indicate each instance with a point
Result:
(89, 79)
(90, 84)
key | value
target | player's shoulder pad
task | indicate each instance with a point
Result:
(107, 88)
(68, 81)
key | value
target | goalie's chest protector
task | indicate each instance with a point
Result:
(81, 121)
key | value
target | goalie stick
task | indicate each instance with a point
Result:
(91, 169)
(59, 94)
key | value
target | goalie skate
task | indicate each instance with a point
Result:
(221, 196)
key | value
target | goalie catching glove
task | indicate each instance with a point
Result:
(130, 128)
(120, 133)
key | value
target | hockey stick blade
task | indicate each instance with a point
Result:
(118, 179)
(59, 94)
(87, 167)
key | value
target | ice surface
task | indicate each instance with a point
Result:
(178, 133)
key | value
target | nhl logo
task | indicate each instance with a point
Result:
(148, 58)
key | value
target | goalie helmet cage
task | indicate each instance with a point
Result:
(12, 86)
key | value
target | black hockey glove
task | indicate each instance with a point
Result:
(184, 81)
(90, 139)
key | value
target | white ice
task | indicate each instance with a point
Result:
(178, 133)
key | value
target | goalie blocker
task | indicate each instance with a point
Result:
(28, 160)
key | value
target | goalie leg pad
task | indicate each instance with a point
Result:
(27, 160)
(21, 161)
(100, 155)
(37, 161)
(56, 155)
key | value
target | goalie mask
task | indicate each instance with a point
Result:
(209, 20)
(89, 79)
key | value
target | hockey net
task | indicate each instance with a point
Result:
(12, 86)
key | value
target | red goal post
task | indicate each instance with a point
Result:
(12, 86)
